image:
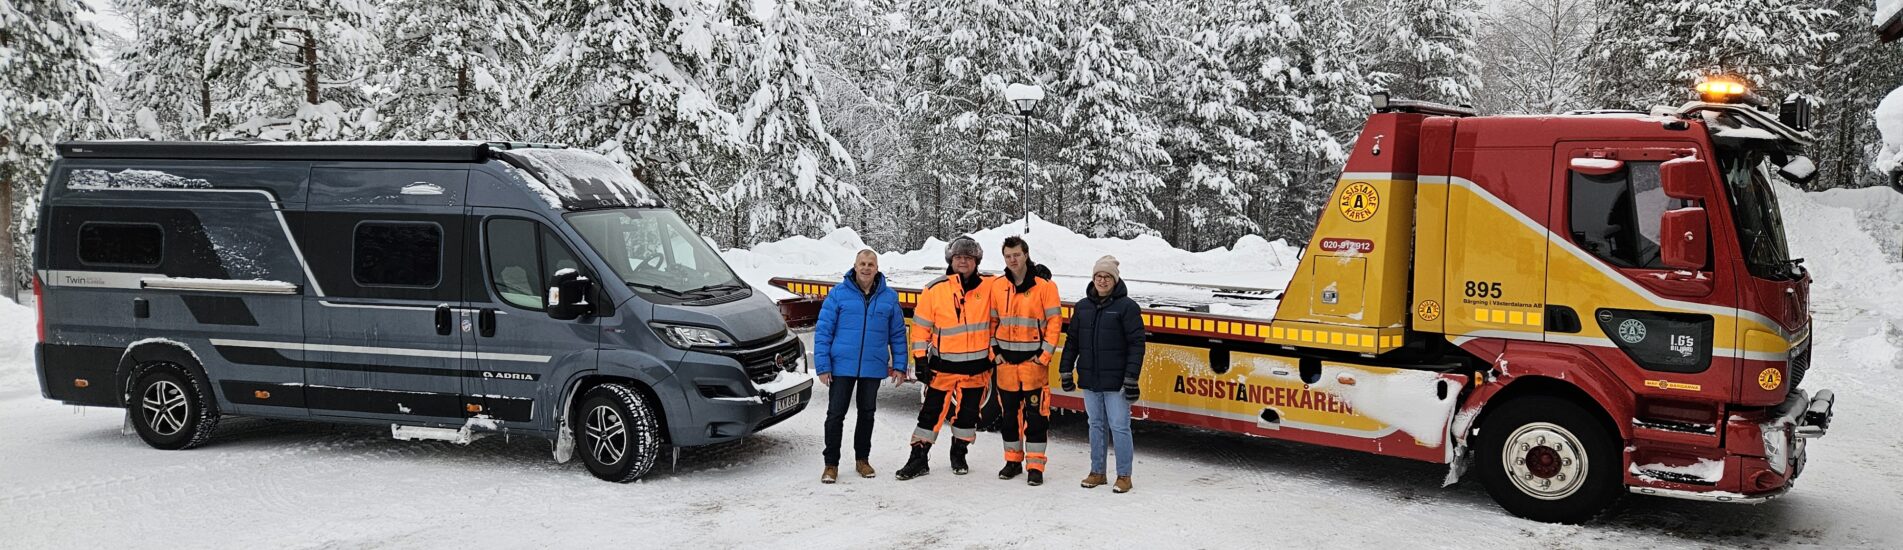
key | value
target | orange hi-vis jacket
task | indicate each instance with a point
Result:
(1030, 320)
(952, 323)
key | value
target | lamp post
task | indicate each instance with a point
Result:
(1025, 97)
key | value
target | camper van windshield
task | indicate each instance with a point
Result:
(655, 253)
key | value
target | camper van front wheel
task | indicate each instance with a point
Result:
(618, 436)
(170, 408)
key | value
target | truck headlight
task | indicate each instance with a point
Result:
(690, 337)
(1777, 446)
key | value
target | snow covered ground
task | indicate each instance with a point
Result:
(68, 479)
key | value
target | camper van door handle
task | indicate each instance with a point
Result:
(442, 319)
(486, 321)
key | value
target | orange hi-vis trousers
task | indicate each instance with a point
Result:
(954, 397)
(1026, 413)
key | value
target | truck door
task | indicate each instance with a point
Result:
(516, 344)
(384, 339)
(1610, 289)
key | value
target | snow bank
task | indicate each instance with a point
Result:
(1251, 262)
(19, 328)
(1889, 115)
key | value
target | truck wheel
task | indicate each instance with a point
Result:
(619, 437)
(1546, 459)
(170, 408)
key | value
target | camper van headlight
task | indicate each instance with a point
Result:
(689, 337)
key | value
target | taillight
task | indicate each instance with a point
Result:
(39, 307)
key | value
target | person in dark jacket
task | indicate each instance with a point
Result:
(1103, 355)
(860, 340)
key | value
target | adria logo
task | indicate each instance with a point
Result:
(1360, 246)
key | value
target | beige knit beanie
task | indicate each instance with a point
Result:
(1107, 264)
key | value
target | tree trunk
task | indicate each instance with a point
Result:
(6, 245)
(462, 96)
(204, 106)
(310, 67)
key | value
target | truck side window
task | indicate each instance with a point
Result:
(522, 255)
(1616, 216)
(397, 254)
(121, 244)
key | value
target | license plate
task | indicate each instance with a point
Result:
(786, 403)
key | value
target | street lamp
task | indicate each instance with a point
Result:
(1025, 97)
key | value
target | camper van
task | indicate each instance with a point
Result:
(449, 290)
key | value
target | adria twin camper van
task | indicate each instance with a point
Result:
(446, 289)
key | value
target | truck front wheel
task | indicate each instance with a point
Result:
(619, 436)
(1547, 459)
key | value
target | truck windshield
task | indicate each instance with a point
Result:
(655, 253)
(1754, 205)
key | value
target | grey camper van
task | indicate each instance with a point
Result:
(447, 289)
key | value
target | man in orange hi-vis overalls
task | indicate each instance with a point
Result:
(951, 351)
(1029, 320)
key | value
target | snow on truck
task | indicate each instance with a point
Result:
(1577, 306)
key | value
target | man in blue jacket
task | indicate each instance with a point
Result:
(860, 340)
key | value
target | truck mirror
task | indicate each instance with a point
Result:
(1685, 178)
(1682, 237)
(1597, 167)
(1800, 170)
(568, 295)
(1795, 112)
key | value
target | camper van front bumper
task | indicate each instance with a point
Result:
(730, 395)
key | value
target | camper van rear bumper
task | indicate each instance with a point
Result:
(78, 375)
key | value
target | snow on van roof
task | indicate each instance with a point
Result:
(582, 179)
(416, 151)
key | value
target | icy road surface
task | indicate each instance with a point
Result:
(68, 479)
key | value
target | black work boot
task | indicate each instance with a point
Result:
(958, 457)
(915, 466)
(1011, 470)
(1035, 478)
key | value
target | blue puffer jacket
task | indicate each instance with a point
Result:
(1104, 342)
(859, 335)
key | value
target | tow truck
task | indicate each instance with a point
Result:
(1575, 306)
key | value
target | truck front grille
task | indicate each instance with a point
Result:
(1800, 363)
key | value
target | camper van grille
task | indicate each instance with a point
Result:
(763, 365)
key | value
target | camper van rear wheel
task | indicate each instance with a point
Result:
(1547, 459)
(170, 408)
(618, 436)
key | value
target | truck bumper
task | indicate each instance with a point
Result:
(1762, 457)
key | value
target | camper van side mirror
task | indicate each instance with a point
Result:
(568, 295)
(1685, 178)
(1682, 237)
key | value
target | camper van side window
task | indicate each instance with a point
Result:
(397, 254)
(121, 244)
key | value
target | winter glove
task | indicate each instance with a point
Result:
(1130, 391)
(1068, 381)
(922, 369)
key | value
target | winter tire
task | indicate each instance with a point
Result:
(618, 436)
(170, 409)
(1547, 459)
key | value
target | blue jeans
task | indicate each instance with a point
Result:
(1109, 416)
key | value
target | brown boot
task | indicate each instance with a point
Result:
(1123, 485)
(830, 475)
(1094, 480)
(865, 469)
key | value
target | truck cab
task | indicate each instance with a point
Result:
(1617, 284)
(448, 290)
